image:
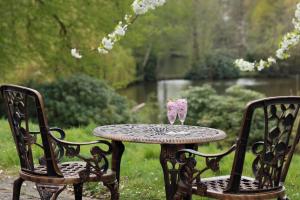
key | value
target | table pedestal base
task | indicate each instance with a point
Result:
(171, 167)
(167, 160)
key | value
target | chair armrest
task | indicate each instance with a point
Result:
(197, 153)
(212, 160)
(97, 163)
(64, 142)
(188, 174)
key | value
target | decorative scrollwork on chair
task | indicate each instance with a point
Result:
(189, 174)
(270, 167)
(97, 163)
(271, 153)
(26, 105)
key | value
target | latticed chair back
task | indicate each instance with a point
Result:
(23, 105)
(274, 153)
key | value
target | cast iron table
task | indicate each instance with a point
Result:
(171, 138)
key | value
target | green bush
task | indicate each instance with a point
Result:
(224, 112)
(80, 100)
(214, 66)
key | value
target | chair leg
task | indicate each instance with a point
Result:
(49, 192)
(180, 193)
(17, 188)
(114, 190)
(78, 191)
(283, 197)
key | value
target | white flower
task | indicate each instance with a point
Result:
(102, 50)
(112, 36)
(280, 54)
(261, 65)
(244, 65)
(161, 2)
(139, 7)
(296, 24)
(271, 60)
(289, 40)
(120, 29)
(75, 53)
(127, 18)
(107, 43)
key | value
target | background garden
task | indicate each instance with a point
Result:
(186, 48)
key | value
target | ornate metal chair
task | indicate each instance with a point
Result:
(50, 175)
(273, 156)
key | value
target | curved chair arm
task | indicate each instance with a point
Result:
(197, 153)
(212, 160)
(64, 142)
(188, 174)
(97, 163)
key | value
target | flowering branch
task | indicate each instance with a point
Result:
(289, 40)
(139, 7)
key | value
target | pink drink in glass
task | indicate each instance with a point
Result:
(171, 111)
(182, 107)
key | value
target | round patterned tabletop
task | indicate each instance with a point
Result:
(159, 133)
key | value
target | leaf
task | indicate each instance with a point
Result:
(269, 156)
(288, 120)
(274, 133)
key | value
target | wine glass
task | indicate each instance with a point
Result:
(182, 107)
(171, 111)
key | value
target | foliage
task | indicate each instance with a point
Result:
(80, 100)
(224, 112)
(215, 66)
(36, 36)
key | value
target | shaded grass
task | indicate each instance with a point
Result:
(141, 173)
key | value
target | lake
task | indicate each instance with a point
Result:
(163, 90)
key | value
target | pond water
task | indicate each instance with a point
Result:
(163, 90)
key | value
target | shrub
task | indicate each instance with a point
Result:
(224, 112)
(80, 100)
(214, 66)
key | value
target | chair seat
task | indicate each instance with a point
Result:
(70, 171)
(248, 189)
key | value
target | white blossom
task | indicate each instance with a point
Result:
(280, 54)
(296, 24)
(102, 50)
(107, 43)
(262, 64)
(127, 18)
(75, 53)
(289, 40)
(140, 7)
(120, 29)
(244, 65)
(271, 60)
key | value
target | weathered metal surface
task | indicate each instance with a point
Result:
(159, 133)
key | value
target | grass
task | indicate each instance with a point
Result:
(141, 174)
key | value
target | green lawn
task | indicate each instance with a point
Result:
(141, 175)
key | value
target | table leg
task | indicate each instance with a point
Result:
(170, 167)
(118, 149)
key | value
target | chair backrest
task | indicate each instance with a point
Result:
(274, 153)
(21, 103)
